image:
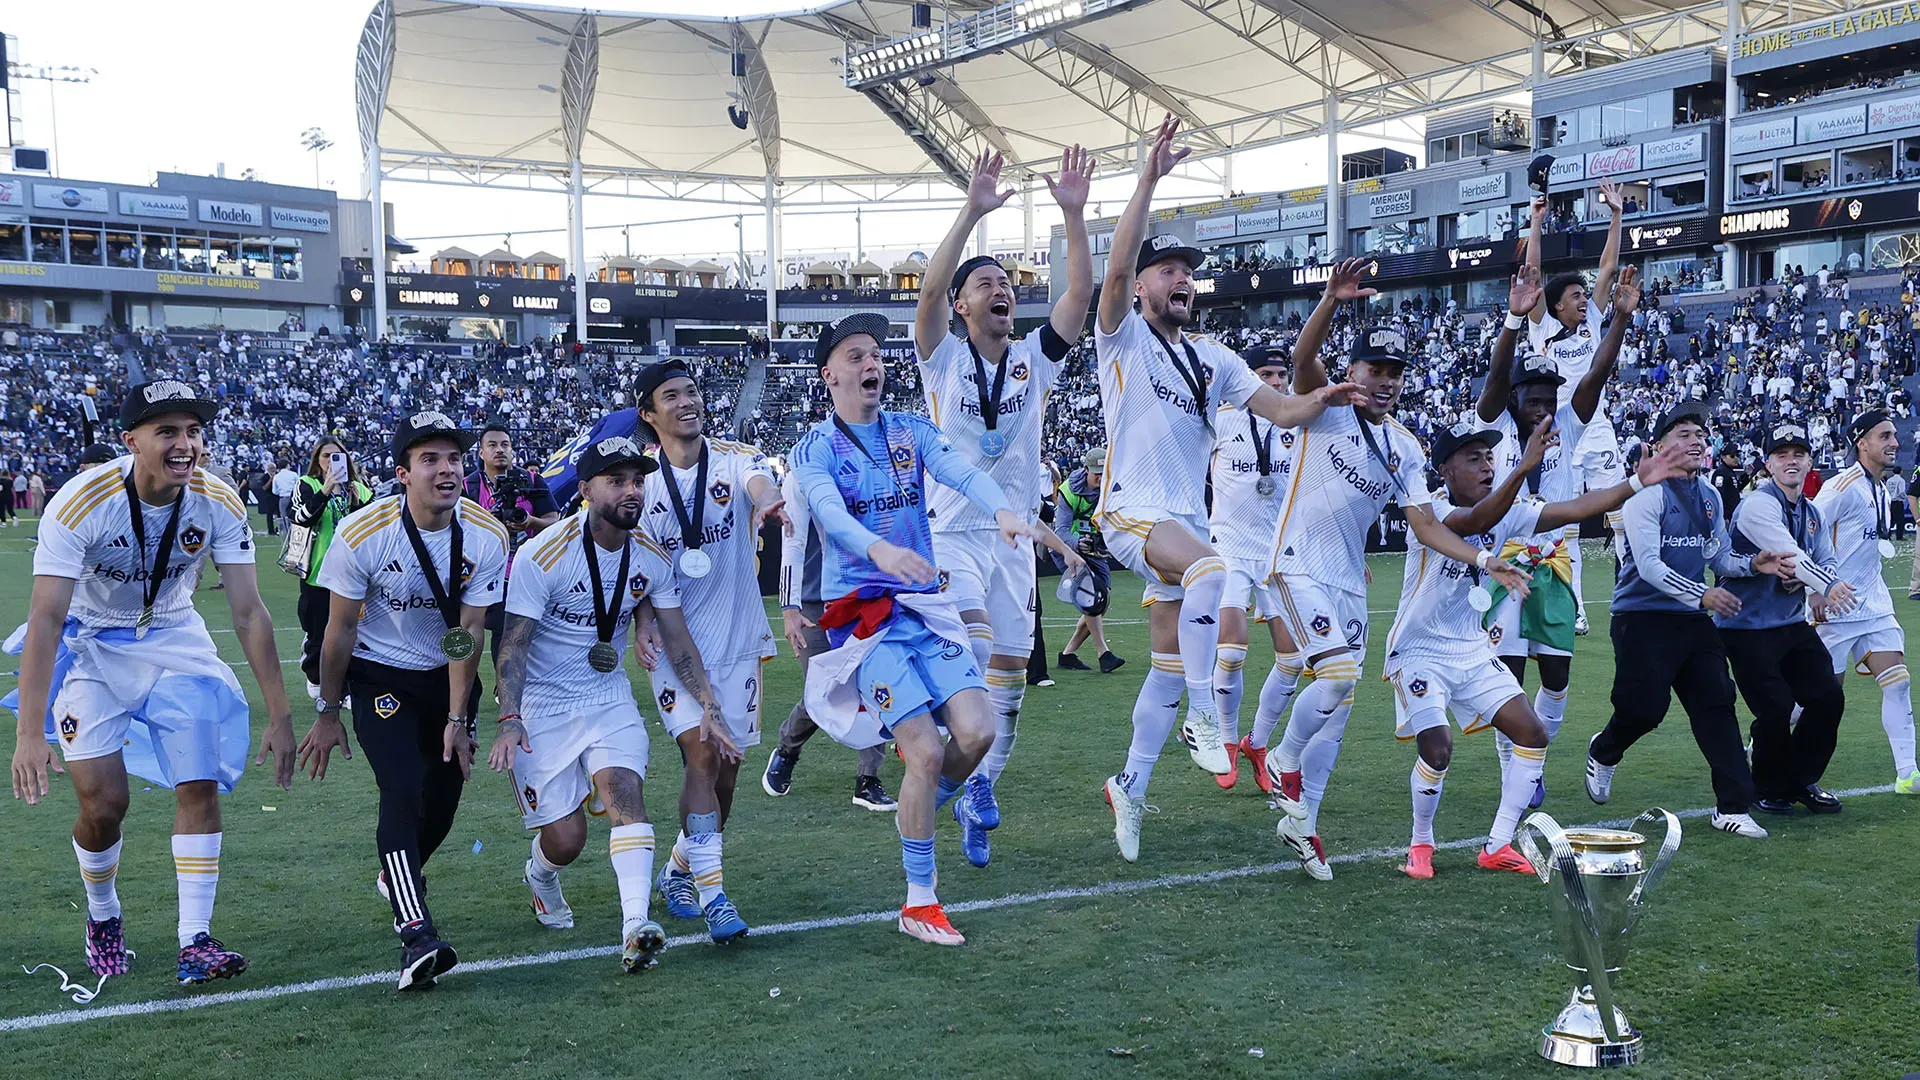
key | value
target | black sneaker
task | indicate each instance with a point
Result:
(423, 957)
(1818, 800)
(868, 793)
(778, 779)
(1774, 806)
(1110, 663)
(1070, 662)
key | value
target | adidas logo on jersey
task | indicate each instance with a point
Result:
(657, 508)
(393, 567)
(579, 587)
(119, 542)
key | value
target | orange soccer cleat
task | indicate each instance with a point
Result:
(928, 922)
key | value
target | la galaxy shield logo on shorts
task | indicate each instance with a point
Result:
(69, 727)
(1418, 688)
(192, 539)
(1495, 633)
(1321, 624)
(532, 800)
(386, 705)
(883, 695)
(667, 697)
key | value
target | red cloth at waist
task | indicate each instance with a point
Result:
(866, 614)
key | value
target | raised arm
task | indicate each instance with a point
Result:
(1309, 370)
(1626, 298)
(1485, 514)
(984, 196)
(1538, 212)
(1610, 255)
(1522, 296)
(1116, 295)
(1070, 189)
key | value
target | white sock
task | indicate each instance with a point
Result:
(678, 853)
(1516, 790)
(1316, 765)
(100, 872)
(1503, 747)
(1334, 679)
(1154, 713)
(630, 849)
(980, 636)
(1275, 694)
(1572, 536)
(1005, 692)
(196, 865)
(542, 870)
(1228, 686)
(703, 858)
(1551, 707)
(1896, 717)
(1205, 582)
(1426, 783)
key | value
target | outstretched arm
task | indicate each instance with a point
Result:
(1626, 298)
(1293, 410)
(1653, 469)
(983, 197)
(1070, 189)
(1116, 295)
(1521, 299)
(1309, 370)
(1485, 514)
(1444, 542)
(1539, 212)
(1610, 255)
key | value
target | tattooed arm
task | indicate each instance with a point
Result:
(684, 658)
(515, 637)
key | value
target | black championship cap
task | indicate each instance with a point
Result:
(605, 454)
(1380, 345)
(422, 426)
(1260, 356)
(960, 276)
(1866, 422)
(1536, 369)
(160, 397)
(1537, 172)
(654, 376)
(870, 323)
(1448, 443)
(97, 454)
(1168, 246)
(1686, 410)
(1787, 433)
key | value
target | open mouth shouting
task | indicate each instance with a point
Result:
(180, 464)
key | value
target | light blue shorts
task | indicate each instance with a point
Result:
(914, 670)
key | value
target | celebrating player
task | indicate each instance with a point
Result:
(118, 668)
(704, 508)
(1858, 514)
(1158, 390)
(900, 666)
(987, 393)
(575, 592)
(412, 576)
(1439, 657)
(1347, 464)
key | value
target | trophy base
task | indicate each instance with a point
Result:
(1577, 1037)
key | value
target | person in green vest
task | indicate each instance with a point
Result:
(331, 488)
(1073, 521)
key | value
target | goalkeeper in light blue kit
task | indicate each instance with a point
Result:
(901, 666)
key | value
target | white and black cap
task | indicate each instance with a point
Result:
(606, 453)
(161, 397)
(431, 424)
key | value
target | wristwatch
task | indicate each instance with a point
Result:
(322, 706)
(466, 724)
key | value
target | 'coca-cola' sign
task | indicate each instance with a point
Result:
(1613, 161)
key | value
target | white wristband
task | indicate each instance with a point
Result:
(1481, 558)
(1638, 485)
(1515, 322)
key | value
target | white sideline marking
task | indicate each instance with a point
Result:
(559, 956)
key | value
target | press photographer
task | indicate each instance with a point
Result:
(518, 497)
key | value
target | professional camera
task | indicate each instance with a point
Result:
(507, 491)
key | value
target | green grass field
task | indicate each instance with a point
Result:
(1788, 957)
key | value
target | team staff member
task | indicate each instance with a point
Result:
(800, 610)
(1073, 523)
(518, 497)
(118, 669)
(412, 576)
(1778, 660)
(1664, 641)
(325, 497)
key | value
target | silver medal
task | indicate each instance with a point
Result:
(1886, 548)
(603, 657)
(1264, 487)
(992, 444)
(695, 563)
(1712, 547)
(1479, 599)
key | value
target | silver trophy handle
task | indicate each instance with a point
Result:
(1562, 858)
(1669, 845)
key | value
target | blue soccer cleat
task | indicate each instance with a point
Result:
(980, 801)
(682, 896)
(723, 920)
(205, 958)
(1539, 793)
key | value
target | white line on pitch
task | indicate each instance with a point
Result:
(502, 963)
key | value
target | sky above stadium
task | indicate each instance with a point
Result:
(196, 85)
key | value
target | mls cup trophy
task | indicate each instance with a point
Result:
(1603, 878)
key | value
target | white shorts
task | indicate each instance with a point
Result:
(983, 574)
(1850, 642)
(172, 725)
(1126, 538)
(1249, 590)
(1426, 690)
(556, 776)
(1598, 456)
(736, 686)
(1504, 634)
(1321, 619)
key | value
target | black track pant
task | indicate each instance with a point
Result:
(1658, 654)
(316, 604)
(1777, 669)
(400, 719)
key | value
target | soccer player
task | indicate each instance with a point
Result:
(412, 576)
(1778, 659)
(1250, 462)
(1566, 326)
(704, 508)
(1515, 401)
(1439, 657)
(1346, 465)
(1664, 639)
(576, 590)
(118, 668)
(987, 392)
(1857, 512)
(1158, 391)
(900, 666)
(800, 609)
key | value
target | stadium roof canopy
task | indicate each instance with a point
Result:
(487, 91)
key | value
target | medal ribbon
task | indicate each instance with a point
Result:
(692, 525)
(1882, 511)
(446, 598)
(1262, 447)
(1373, 447)
(989, 401)
(151, 590)
(893, 474)
(604, 620)
(1195, 376)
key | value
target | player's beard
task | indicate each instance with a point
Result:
(620, 516)
(1165, 315)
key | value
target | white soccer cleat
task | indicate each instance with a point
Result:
(1739, 825)
(1313, 854)
(1580, 625)
(1201, 733)
(549, 906)
(1126, 819)
(1599, 777)
(641, 942)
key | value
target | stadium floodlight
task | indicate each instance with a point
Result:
(995, 29)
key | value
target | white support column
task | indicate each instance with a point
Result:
(980, 238)
(1336, 203)
(1731, 268)
(379, 328)
(1026, 223)
(577, 249)
(1226, 177)
(773, 264)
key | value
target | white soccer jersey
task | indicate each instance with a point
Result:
(1435, 621)
(87, 535)
(1856, 513)
(1157, 437)
(551, 583)
(1336, 488)
(372, 561)
(1557, 482)
(953, 400)
(1243, 520)
(724, 612)
(1572, 351)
